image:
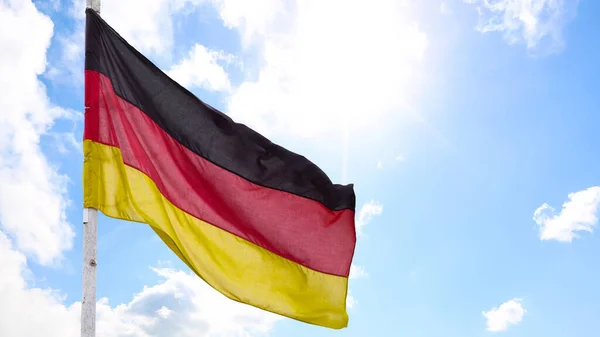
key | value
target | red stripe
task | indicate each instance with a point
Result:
(294, 227)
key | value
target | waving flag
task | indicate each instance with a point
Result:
(260, 224)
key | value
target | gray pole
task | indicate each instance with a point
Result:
(90, 238)
(94, 4)
(88, 301)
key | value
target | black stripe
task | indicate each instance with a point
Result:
(202, 128)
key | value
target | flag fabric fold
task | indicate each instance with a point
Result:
(262, 225)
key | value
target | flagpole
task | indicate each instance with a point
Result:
(90, 243)
(88, 302)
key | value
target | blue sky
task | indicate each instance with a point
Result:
(468, 128)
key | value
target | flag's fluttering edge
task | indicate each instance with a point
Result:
(261, 224)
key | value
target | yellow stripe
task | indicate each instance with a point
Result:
(235, 267)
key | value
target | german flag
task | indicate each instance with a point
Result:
(262, 225)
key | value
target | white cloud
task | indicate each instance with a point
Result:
(68, 68)
(309, 68)
(150, 30)
(317, 74)
(146, 24)
(201, 69)
(381, 163)
(539, 23)
(351, 301)
(63, 141)
(28, 311)
(33, 196)
(164, 312)
(579, 214)
(445, 9)
(179, 305)
(253, 19)
(507, 314)
(366, 214)
(357, 271)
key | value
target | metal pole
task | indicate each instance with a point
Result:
(94, 4)
(90, 242)
(88, 302)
